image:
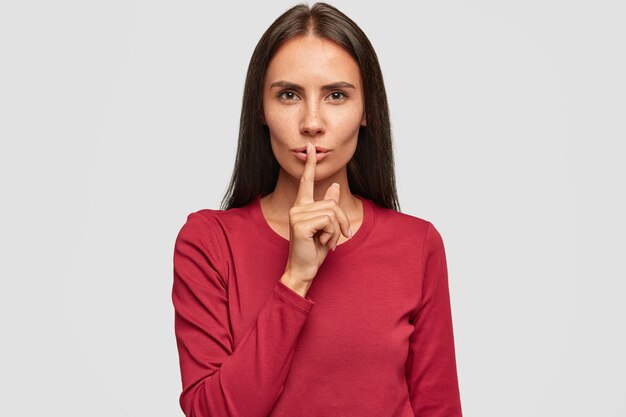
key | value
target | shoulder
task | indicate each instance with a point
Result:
(418, 230)
(196, 228)
(211, 227)
(201, 228)
(207, 218)
(403, 223)
(199, 222)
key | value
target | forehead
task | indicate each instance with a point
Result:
(312, 59)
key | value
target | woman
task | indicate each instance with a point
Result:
(309, 293)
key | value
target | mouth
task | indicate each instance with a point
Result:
(318, 149)
(301, 155)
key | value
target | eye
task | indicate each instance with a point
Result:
(280, 95)
(288, 95)
(341, 93)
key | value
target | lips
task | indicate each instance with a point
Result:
(319, 156)
(319, 149)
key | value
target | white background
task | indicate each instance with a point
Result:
(119, 118)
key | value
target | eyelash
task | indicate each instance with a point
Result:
(345, 95)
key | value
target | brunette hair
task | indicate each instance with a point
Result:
(371, 171)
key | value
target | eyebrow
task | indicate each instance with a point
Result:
(331, 86)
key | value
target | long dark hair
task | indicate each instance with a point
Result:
(371, 172)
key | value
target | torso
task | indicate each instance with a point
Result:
(359, 330)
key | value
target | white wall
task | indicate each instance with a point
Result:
(118, 118)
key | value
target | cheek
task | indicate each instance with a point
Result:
(346, 125)
(279, 133)
(278, 121)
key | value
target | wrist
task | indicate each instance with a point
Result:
(297, 285)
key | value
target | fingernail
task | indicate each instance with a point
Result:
(350, 231)
(337, 184)
(308, 147)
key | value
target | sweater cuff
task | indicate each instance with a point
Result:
(289, 295)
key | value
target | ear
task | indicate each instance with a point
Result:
(263, 119)
(363, 121)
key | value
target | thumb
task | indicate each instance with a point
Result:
(333, 192)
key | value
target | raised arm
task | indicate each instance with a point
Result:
(218, 379)
(431, 372)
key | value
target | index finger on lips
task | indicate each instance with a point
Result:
(307, 181)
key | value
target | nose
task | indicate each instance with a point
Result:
(312, 123)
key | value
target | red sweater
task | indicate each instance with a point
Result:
(372, 337)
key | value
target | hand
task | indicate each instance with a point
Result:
(314, 226)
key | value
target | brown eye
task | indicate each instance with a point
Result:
(282, 93)
(340, 93)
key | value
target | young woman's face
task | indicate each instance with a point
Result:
(300, 104)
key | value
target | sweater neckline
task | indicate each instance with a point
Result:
(344, 248)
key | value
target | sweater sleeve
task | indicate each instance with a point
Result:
(219, 379)
(431, 372)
